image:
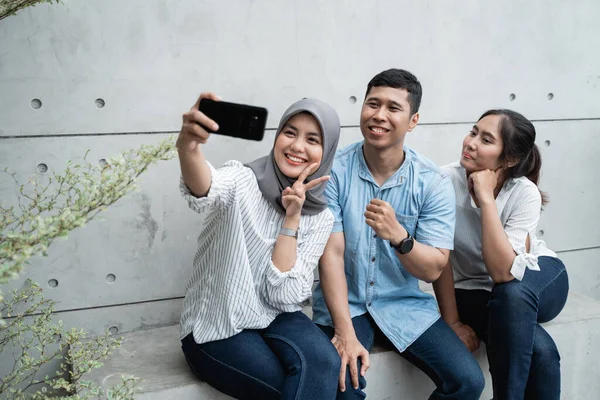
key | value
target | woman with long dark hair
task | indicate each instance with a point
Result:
(506, 281)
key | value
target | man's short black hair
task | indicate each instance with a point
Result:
(400, 79)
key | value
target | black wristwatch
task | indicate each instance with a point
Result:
(405, 245)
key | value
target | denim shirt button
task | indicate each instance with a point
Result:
(371, 283)
(403, 317)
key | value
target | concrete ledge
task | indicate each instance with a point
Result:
(155, 356)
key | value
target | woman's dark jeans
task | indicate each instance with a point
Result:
(524, 361)
(290, 359)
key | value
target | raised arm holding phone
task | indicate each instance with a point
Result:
(265, 226)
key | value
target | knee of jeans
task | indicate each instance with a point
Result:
(478, 382)
(545, 352)
(471, 380)
(511, 293)
(330, 360)
(322, 361)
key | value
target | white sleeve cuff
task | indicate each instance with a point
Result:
(276, 277)
(521, 263)
(210, 201)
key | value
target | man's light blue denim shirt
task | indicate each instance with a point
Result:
(424, 201)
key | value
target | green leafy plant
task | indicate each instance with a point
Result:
(10, 7)
(47, 209)
(67, 200)
(38, 341)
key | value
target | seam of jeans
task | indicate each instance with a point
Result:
(443, 381)
(430, 366)
(302, 360)
(235, 369)
(564, 270)
(371, 342)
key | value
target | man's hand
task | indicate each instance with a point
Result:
(382, 218)
(350, 350)
(467, 335)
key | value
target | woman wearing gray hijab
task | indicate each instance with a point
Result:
(265, 227)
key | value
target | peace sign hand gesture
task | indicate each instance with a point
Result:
(292, 198)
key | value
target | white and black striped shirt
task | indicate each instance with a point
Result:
(234, 284)
(519, 206)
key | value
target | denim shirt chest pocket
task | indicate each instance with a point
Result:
(409, 222)
(391, 267)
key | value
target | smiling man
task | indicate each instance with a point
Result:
(394, 225)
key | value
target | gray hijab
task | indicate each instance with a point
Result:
(272, 181)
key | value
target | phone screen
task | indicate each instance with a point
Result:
(236, 120)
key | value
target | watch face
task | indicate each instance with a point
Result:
(406, 245)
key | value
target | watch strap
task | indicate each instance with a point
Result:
(289, 232)
(399, 247)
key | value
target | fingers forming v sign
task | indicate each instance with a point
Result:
(292, 198)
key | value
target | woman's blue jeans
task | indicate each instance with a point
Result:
(524, 361)
(290, 359)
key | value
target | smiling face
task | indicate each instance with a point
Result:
(482, 147)
(386, 117)
(299, 145)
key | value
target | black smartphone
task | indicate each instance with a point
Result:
(237, 120)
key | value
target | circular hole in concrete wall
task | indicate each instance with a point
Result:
(53, 283)
(42, 168)
(100, 103)
(512, 96)
(550, 96)
(110, 278)
(547, 143)
(113, 330)
(36, 103)
(102, 162)
(352, 99)
(541, 233)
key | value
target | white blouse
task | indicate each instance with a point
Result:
(519, 206)
(234, 284)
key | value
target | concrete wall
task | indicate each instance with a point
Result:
(111, 75)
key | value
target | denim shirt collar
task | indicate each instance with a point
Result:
(397, 179)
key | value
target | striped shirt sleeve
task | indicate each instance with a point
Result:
(221, 192)
(286, 290)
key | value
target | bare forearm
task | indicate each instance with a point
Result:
(194, 169)
(284, 254)
(498, 254)
(335, 292)
(445, 296)
(424, 262)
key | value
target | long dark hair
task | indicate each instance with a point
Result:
(518, 136)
